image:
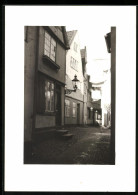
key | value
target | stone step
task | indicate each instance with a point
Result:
(67, 136)
(62, 132)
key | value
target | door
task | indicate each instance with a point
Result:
(58, 105)
(78, 113)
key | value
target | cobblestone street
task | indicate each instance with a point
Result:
(89, 145)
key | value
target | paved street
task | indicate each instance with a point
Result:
(89, 145)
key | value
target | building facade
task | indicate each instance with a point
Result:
(106, 100)
(74, 102)
(85, 84)
(89, 102)
(44, 86)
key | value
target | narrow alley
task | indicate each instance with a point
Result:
(88, 145)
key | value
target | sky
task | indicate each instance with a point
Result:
(98, 59)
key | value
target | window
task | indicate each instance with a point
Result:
(49, 96)
(67, 108)
(75, 46)
(45, 95)
(74, 63)
(50, 47)
(74, 109)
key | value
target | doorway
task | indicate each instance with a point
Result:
(78, 113)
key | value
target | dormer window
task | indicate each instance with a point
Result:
(50, 47)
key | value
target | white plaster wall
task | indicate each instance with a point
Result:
(77, 56)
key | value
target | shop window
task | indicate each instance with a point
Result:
(50, 47)
(67, 108)
(74, 110)
(45, 96)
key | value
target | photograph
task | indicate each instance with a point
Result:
(70, 98)
(69, 87)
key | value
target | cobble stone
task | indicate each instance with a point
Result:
(87, 146)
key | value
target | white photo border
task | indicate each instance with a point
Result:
(119, 177)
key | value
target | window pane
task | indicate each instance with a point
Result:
(48, 86)
(74, 109)
(47, 35)
(52, 86)
(52, 100)
(47, 47)
(47, 42)
(52, 54)
(67, 108)
(46, 52)
(52, 57)
(53, 42)
(48, 100)
(50, 46)
(74, 112)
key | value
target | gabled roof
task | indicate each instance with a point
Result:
(71, 35)
(60, 34)
(65, 37)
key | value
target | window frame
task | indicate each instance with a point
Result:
(67, 108)
(55, 47)
(41, 98)
(74, 107)
(74, 63)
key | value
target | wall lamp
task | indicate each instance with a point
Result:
(74, 83)
(108, 41)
